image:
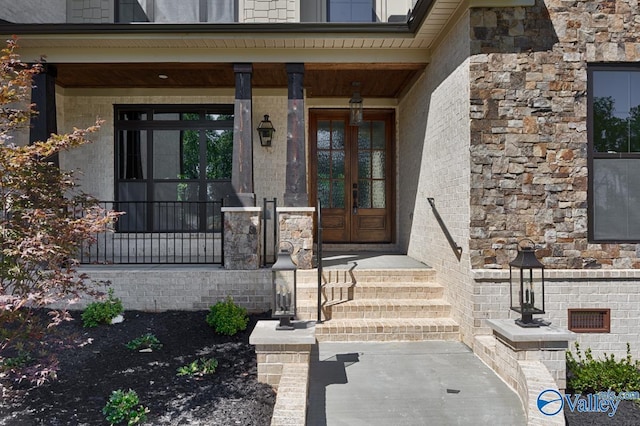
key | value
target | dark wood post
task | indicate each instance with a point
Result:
(43, 95)
(242, 168)
(296, 180)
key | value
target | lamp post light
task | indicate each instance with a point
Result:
(283, 278)
(526, 278)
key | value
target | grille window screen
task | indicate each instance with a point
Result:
(590, 320)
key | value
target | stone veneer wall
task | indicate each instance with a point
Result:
(433, 161)
(529, 132)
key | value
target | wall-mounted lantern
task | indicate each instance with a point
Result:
(283, 278)
(526, 278)
(355, 106)
(265, 131)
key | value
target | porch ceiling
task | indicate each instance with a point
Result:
(384, 80)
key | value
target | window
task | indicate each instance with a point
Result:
(171, 11)
(351, 11)
(171, 161)
(614, 153)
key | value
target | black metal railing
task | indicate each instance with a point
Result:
(172, 232)
(454, 246)
(319, 245)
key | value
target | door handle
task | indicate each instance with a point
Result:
(355, 198)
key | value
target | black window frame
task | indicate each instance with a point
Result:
(149, 125)
(593, 155)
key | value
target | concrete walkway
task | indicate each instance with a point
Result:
(406, 383)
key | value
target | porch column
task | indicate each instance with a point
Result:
(241, 237)
(43, 96)
(296, 174)
(242, 169)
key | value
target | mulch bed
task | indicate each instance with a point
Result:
(93, 362)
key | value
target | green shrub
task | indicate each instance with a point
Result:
(124, 407)
(102, 312)
(199, 367)
(227, 317)
(588, 375)
(21, 360)
(146, 341)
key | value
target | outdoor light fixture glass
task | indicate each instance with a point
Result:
(265, 131)
(283, 274)
(526, 277)
(355, 106)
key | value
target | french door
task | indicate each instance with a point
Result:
(351, 175)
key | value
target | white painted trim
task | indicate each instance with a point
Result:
(559, 274)
(344, 103)
(501, 3)
(267, 55)
(129, 92)
(295, 209)
(240, 209)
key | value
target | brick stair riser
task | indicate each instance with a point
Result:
(310, 276)
(382, 291)
(345, 311)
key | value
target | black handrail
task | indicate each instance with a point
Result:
(319, 232)
(454, 246)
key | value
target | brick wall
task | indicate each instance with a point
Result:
(564, 289)
(434, 162)
(189, 287)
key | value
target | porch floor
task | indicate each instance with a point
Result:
(335, 259)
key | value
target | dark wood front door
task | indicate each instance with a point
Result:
(352, 175)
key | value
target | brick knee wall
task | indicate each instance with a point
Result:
(291, 403)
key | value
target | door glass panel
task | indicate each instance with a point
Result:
(337, 135)
(364, 136)
(337, 169)
(379, 194)
(364, 194)
(323, 135)
(337, 194)
(378, 165)
(364, 164)
(378, 135)
(323, 165)
(323, 192)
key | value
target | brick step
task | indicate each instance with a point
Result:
(381, 290)
(391, 308)
(387, 330)
(309, 277)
